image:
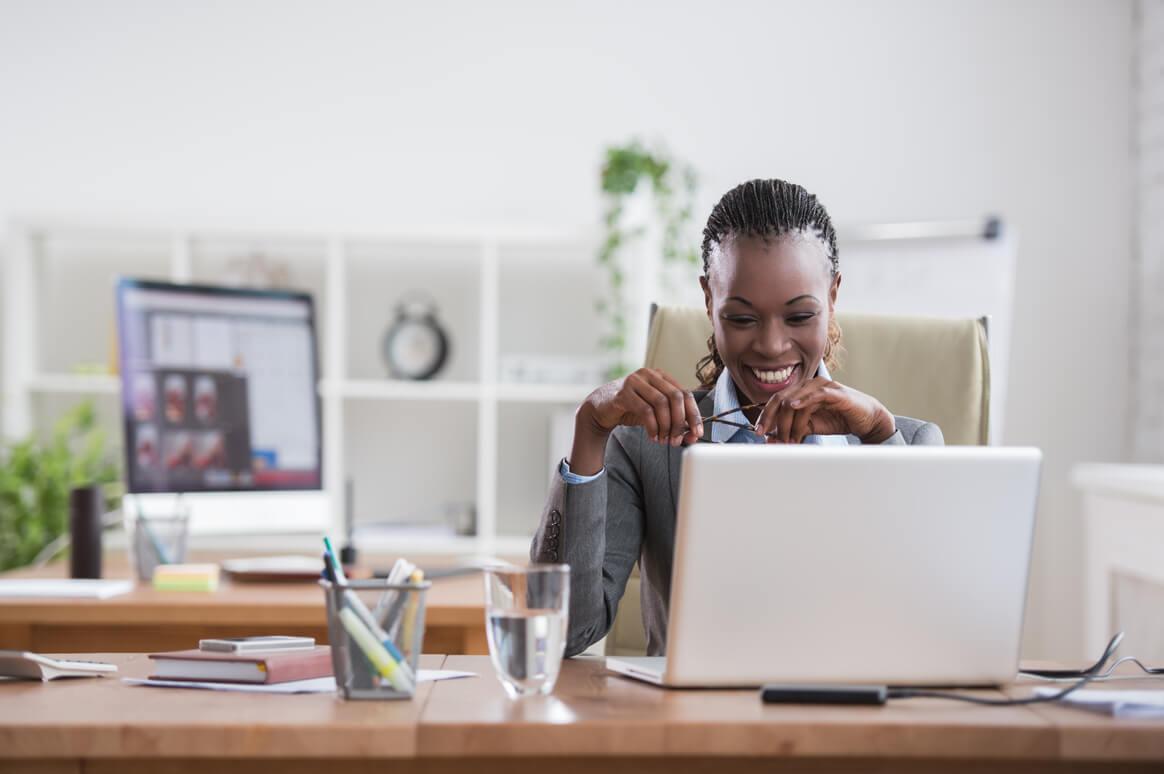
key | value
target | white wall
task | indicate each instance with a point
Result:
(361, 115)
(1147, 425)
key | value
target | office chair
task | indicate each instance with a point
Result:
(927, 368)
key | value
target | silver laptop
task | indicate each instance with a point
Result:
(808, 564)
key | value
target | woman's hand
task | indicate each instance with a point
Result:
(649, 398)
(824, 407)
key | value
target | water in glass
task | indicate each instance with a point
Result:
(526, 647)
(526, 615)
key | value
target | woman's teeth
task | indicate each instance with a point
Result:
(774, 377)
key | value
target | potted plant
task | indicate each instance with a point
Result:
(37, 475)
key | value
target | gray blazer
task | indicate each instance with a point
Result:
(600, 528)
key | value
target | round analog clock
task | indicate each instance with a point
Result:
(415, 345)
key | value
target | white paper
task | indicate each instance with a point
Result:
(45, 588)
(432, 675)
(1120, 704)
(315, 685)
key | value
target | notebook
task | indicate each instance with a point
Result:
(268, 668)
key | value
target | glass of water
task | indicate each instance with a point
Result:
(525, 618)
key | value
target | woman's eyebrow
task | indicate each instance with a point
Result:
(801, 298)
(741, 299)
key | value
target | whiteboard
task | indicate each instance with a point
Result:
(958, 276)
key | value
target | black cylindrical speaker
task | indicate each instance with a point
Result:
(86, 512)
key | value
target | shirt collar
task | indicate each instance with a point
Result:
(727, 399)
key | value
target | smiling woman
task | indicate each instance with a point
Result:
(770, 283)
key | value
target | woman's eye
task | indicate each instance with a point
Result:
(740, 320)
(800, 319)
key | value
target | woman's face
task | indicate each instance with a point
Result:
(770, 301)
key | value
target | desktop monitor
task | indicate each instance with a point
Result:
(219, 388)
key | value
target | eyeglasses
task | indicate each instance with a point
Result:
(706, 438)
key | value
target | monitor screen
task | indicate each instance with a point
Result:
(219, 388)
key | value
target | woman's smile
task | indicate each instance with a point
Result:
(769, 380)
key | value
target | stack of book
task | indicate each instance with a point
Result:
(247, 667)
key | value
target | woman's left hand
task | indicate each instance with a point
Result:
(824, 407)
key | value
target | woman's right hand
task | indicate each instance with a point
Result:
(649, 398)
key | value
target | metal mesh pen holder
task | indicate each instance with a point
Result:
(376, 631)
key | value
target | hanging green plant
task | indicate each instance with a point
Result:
(673, 187)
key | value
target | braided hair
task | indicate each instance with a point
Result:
(767, 209)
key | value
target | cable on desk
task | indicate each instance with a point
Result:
(1089, 675)
(1108, 674)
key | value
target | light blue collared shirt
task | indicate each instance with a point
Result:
(725, 400)
(728, 400)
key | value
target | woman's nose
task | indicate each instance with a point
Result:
(772, 340)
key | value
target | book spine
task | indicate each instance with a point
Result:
(298, 666)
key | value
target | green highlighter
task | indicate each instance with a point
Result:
(376, 654)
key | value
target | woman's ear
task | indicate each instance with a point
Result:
(833, 290)
(707, 293)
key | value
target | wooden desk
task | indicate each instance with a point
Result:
(146, 620)
(594, 722)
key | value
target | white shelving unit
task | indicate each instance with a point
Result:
(499, 292)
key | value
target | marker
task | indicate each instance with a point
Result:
(415, 578)
(380, 659)
(353, 602)
(390, 598)
(356, 605)
(391, 602)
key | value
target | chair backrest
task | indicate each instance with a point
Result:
(926, 368)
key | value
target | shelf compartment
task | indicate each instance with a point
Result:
(547, 293)
(410, 464)
(75, 282)
(532, 438)
(379, 277)
(75, 384)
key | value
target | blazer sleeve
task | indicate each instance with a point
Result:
(915, 432)
(596, 528)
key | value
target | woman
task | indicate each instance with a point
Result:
(770, 281)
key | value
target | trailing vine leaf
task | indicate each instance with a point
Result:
(673, 187)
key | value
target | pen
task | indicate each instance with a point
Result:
(159, 550)
(327, 573)
(336, 567)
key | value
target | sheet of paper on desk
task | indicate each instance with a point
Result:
(316, 685)
(1119, 704)
(48, 588)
